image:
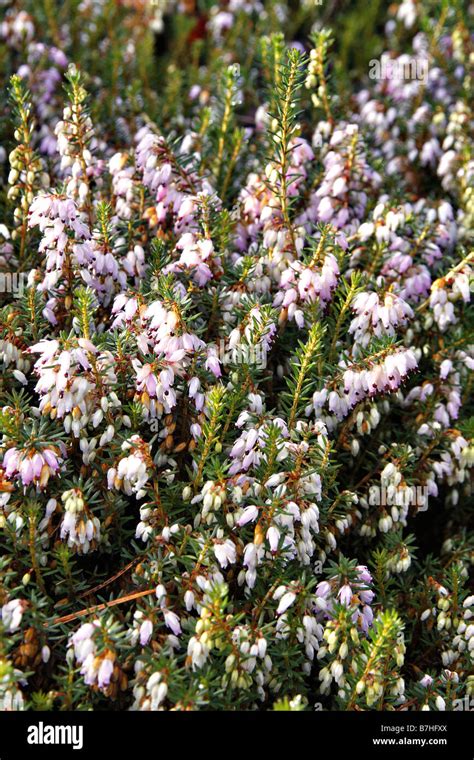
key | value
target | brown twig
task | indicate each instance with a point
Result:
(102, 585)
(100, 607)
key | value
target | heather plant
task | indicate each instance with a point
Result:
(237, 351)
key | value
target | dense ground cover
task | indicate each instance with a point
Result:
(237, 352)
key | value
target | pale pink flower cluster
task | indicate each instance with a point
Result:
(61, 223)
(356, 594)
(174, 192)
(383, 376)
(100, 269)
(302, 284)
(196, 256)
(97, 669)
(445, 293)
(33, 466)
(341, 198)
(75, 384)
(247, 450)
(124, 185)
(377, 315)
(160, 332)
(261, 209)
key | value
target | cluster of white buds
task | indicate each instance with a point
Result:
(340, 640)
(453, 622)
(76, 143)
(12, 613)
(209, 632)
(372, 684)
(444, 618)
(254, 553)
(445, 292)
(201, 644)
(309, 634)
(398, 561)
(149, 693)
(25, 170)
(81, 529)
(312, 73)
(391, 478)
(463, 629)
(376, 689)
(367, 420)
(212, 496)
(248, 662)
(11, 695)
(133, 471)
(144, 527)
(11, 354)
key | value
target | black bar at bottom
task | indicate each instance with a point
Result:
(120, 735)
